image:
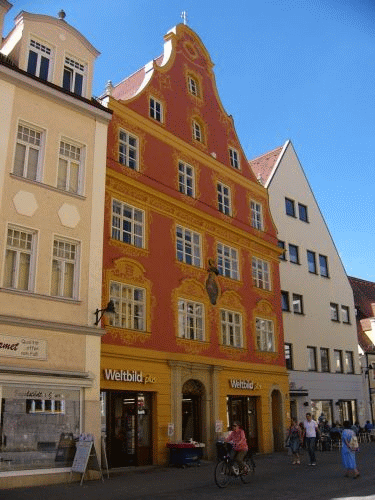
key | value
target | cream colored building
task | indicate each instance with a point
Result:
(321, 344)
(53, 139)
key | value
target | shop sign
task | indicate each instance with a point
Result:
(128, 376)
(21, 347)
(243, 384)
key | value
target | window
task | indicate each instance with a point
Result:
(70, 167)
(197, 131)
(324, 359)
(285, 301)
(349, 365)
(234, 158)
(39, 60)
(223, 199)
(128, 224)
(261, 273)
(156, 110)
(256, 215)
(190, 320)
(293, 254)
(193, 86)
(19, 259)
(288, 356)
(128, 150)
(345, 318)
(28, 152)
(264, 335)
(311, 261)
(130, 306)
(302, 212)
(186, 182)
(281, 244)
(64, 281)
(231, 328)
(188, 246)
(297, 303)
(289, 207)
(227, 261)
(334, 312)
(323, 265)
(45, 406)
(337, 359)
(311, 359)
(73, 76)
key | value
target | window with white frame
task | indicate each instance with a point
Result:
(190, 320)
(65, 267)
(156, 109)
(193, 86)
(261, 273)
(197, 131)
(188, 246)
(297, 303)
(128, 224)
(130, 306)
(20, 259)
(231, 328)
(224, 199)
(74, 76)
(227, 261)
(27, 158)
(186, 182)
(256, 215)
(234, 158)
(70, 169)
(128, 150)
(264, 335)
(39, 60)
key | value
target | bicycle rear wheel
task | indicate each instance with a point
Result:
(222, 474)
(250, 469)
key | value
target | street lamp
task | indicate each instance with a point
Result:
(109, 311)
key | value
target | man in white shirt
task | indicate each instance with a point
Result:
(310, 434)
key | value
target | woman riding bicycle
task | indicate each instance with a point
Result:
(238, 439)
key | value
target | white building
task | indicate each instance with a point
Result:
(53, 140)
(321, 346)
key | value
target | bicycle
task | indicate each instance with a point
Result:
(227, 468)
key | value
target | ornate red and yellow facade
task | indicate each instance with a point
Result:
(191, 263)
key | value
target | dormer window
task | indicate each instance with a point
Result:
(73, 77)
(39, 60)
(193, 86)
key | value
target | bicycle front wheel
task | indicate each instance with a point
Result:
(249, 470)
(222, 472)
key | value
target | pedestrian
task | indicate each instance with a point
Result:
(347, 454)
(311, 428)
(294, 440)
(238, 439)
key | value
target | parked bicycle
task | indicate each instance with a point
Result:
(226, 469)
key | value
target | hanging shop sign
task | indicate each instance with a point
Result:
(128, 376)
(243, 384)
(21, 347)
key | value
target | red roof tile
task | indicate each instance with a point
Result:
(263, 165)
(128, 87)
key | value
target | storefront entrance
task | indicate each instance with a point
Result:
(243, 409)
(127, 424)
(192, 392)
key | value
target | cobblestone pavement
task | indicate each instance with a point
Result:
(275, 479)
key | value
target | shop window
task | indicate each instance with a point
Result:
(34, 422)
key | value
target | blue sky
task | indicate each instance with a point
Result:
(285, 69)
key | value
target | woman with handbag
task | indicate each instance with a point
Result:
(294, 440)
(348, 449)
